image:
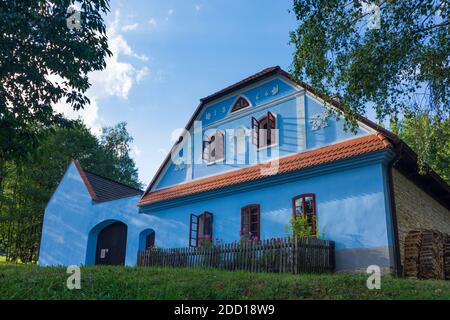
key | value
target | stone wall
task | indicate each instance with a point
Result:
(416, 209)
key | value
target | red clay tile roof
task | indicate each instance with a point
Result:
(102, 189)
(300, 161)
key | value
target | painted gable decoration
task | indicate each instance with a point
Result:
(241, 103)
(319, 121)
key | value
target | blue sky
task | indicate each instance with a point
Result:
(169, 54)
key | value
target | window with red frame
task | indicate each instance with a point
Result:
(150, 241)
(201, 229)
(213, 147)
(240, 103)
(305, 204)
(250, 222)
(264, 130)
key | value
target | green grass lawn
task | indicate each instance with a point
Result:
(32, 282)
(2, 259)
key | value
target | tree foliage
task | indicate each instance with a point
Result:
(28, 184)
(402, 67)
(434, 148)
(37, 48)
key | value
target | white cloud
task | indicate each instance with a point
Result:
(130, 27)
(152, 22)
(116, 80)
(141, 74)
(198, 7)
(136, 151)
(170, 12)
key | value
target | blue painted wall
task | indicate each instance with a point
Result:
(288, 104)
(351, 208)
(331, 134)
(71, 222)
(352, 195)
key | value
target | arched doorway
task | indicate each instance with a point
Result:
(147, 239)
(111, 245)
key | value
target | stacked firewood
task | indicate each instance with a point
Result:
(413, 243)
(424, 254)
(447, 257)
(432, 256)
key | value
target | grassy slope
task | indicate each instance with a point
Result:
(31, 282)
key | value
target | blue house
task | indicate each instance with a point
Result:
(252, 157)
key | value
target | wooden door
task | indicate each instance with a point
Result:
(111, 245)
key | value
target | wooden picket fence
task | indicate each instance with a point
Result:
(287, 255)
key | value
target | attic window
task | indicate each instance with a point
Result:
(264, 130)
(240, 103)
(213, 147)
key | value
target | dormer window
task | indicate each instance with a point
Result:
(240, 103)
(264, 131)
(213, 147)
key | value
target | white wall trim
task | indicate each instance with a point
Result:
(328, 105)
(301, 123)
(235, 116)
(241, 93)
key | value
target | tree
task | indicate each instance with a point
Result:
(116, 142)
(435, 148)
(29, 183)
(403, 67)
(39, 46)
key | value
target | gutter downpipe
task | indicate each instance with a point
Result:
(398, 263)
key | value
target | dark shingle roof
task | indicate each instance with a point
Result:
(103, 189)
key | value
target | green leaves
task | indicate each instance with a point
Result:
(388, 68)
(429, 137)
(403, 68)
(35, 45)
(28, 185)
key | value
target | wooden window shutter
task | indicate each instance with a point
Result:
(244, 222)
(258, 223)
(208, 226)
(255, 132)
(271, 126)
(193, 231)
(220, 152)
(205, 154)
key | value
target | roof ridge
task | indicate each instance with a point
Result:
(112, 180)
(85, 180)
